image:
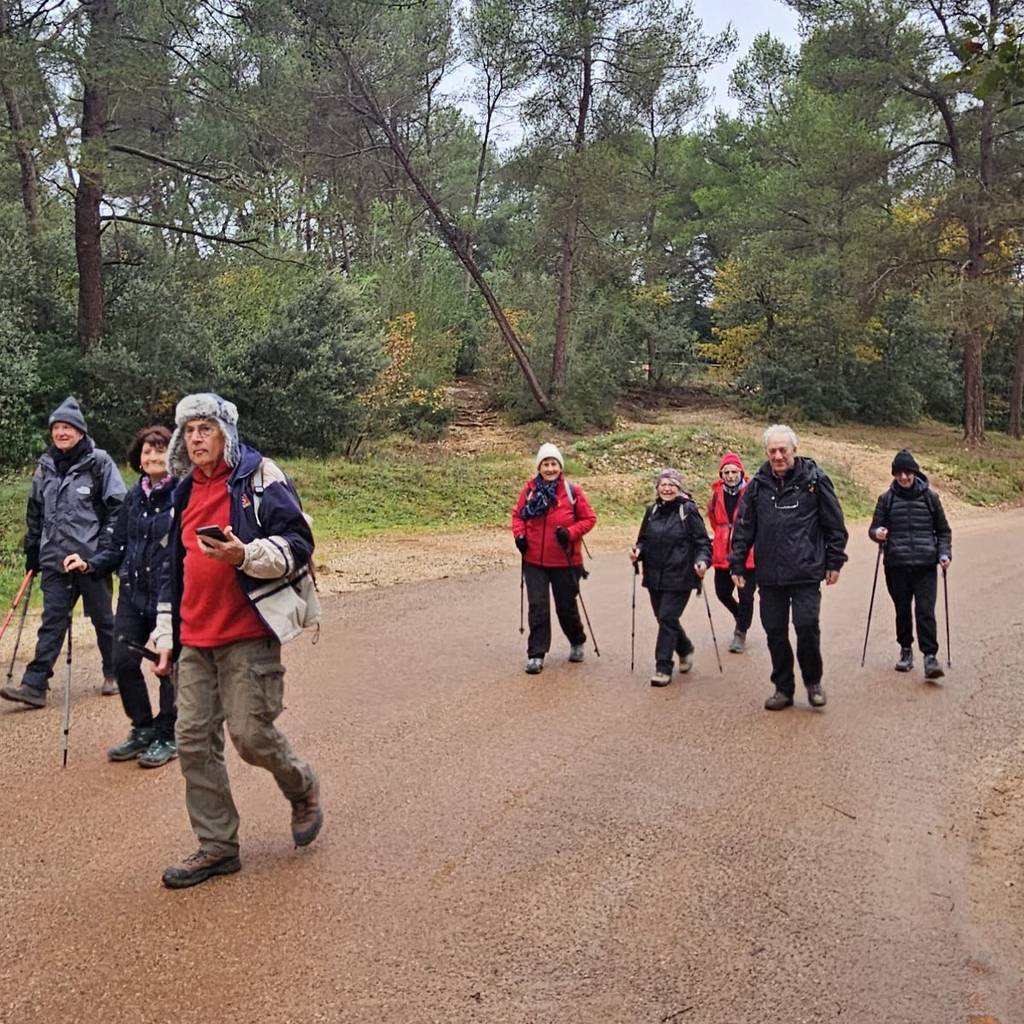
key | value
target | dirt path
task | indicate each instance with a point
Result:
(573, 847)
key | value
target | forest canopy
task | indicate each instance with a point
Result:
(330, 210)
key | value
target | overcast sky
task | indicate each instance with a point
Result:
(748, 17)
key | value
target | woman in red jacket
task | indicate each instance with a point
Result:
(548, 523)
(725, 500)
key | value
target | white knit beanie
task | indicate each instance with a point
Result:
(548, 451)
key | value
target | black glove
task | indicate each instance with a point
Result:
(32, 558)
(562, 536)
(521, 544)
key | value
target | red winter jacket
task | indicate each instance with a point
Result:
(541, 547)
(722, 526)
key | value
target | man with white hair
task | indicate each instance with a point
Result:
(791, 515)
(237, 588)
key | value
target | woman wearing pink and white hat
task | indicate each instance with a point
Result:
(726, 493)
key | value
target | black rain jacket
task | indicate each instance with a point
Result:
(795, 523)
(671, 541)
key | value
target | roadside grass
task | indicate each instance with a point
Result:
(408, 487)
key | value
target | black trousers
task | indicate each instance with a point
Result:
(914, 585)
(668, 608)
(805, 601)
(563, 583)
(134, 626)
(741, 607)
(60, 594)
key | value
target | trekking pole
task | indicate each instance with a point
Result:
(67, 684)
(30, 579)
(871, 605)
(711, 623)
(632, 629)
(25, 584)
(945, 594)
(579, 597)
(73, 594)
(522, 587)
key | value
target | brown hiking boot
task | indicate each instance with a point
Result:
(307, 817)
(199, 867)
(25, 694)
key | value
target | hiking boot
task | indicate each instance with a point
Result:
(576, 653)
(816, 696)
(138, 740)
(534, 666)
(778, 701)
(661, 679)
(158, 753)
(307, 817)
(25, 694)
(739, 642)
(686, 662)
(109, 687)
(199, 867)
(932, 668)
(906, 662)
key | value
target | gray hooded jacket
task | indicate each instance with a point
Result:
(73, 514)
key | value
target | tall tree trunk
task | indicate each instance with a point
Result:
(91, 165)
(563, 313)
(1017, 385)
(978, 237)
(570, 233)
(19, 133)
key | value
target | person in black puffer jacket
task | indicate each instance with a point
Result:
(138, 550)
(674, 549)
(790, 513)
(910, 523)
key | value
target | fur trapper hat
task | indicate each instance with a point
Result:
(548, 451)
(203, 406)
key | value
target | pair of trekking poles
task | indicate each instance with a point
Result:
(632, 635)
(632, 630)
(25, 594)
(577, 596)
(871, 605)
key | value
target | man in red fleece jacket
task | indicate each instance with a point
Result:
(226, 606)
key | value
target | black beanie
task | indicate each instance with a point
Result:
(904, 463)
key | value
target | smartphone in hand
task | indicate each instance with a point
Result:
(212, 532)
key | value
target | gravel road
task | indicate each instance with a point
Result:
(570, 848)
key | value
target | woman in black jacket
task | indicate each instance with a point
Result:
(910, 523)
(137, 550)
(674, 549)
